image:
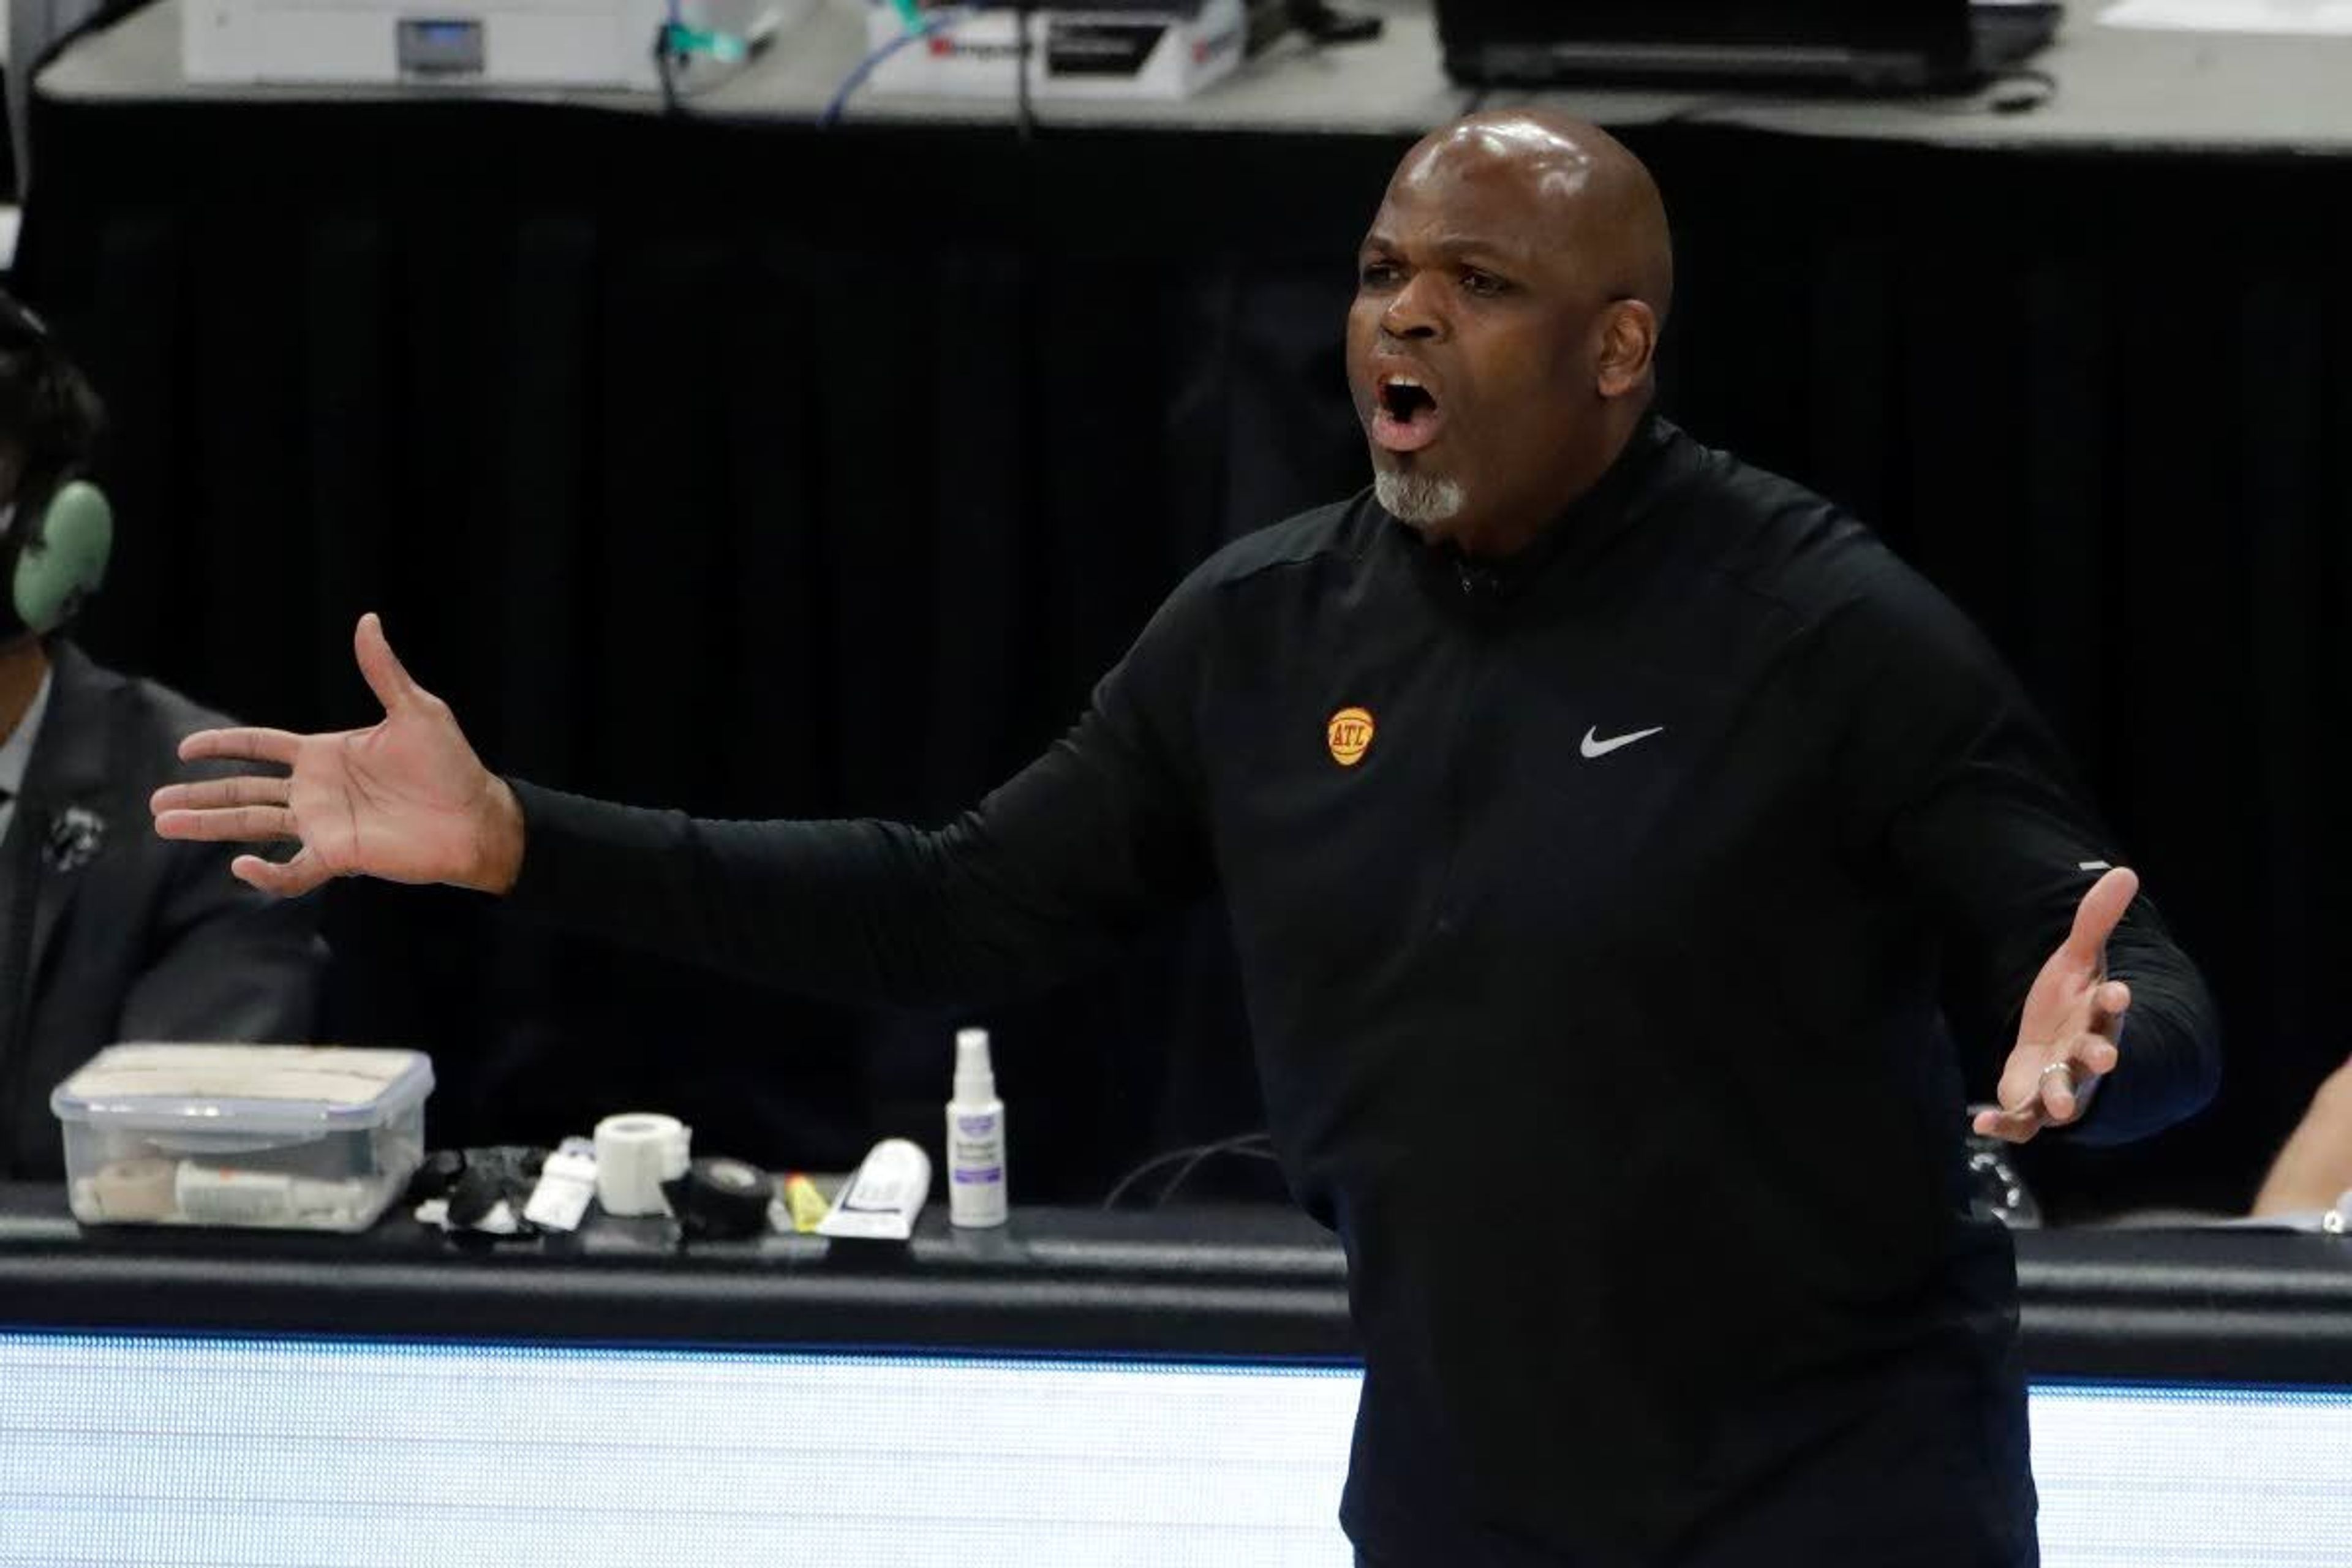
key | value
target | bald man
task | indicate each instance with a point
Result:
(1592, 810)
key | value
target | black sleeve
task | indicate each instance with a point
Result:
(1042, 877)
(1951, 775)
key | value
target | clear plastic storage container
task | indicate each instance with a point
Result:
(284, 1137)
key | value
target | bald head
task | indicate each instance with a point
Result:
(1501, 348)
(1592, 196)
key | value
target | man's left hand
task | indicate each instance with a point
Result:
(2066, 1038)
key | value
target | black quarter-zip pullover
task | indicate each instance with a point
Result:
(1591, 908)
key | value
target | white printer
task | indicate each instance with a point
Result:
(1149, 50)
(490, 43)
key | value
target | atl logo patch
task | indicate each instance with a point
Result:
(1350, 736)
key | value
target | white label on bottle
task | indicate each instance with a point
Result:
(975, 1167)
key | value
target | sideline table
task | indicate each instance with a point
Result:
(1121, 1388)
(2116, 88)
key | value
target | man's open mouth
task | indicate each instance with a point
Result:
(1405, 413)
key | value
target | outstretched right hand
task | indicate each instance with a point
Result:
(406, 799)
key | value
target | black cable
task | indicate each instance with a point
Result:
(665, 68)
(1184, 1171)
(98, 21)
(940, 22)
(675, 45)
(1024, 115)
(1195, 1153)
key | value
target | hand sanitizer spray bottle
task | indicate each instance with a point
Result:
(975, 1137)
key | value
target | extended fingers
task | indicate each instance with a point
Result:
(2057, 1093)
(2096, 917)
(387, 676)
(242, 744)
(228, 824)
(251, 789)
(2050, 1100)
(2009, 1126)
(2095, 1052)
(286, 879)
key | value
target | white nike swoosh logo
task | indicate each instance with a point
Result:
(1597, 748)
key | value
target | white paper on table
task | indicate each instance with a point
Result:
(2298, 16)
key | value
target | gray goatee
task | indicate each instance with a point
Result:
(1416, 499)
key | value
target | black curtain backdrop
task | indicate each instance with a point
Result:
(764, 471)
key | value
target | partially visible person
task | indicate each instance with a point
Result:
(106, 934)
(2313, 1170)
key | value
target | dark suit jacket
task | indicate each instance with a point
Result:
(131, 937)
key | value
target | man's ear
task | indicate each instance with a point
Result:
(1629, 347)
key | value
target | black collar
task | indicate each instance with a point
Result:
(1581, 530)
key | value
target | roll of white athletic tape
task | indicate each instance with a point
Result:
(635, 1154)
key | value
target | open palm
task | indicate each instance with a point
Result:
(2069, 1030)
(405, 799)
